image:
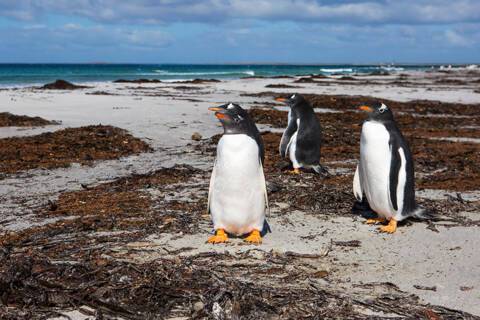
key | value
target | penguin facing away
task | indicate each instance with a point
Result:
(237, 196)
(385, 173)
(301, 140)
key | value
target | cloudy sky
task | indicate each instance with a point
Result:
(222, 31)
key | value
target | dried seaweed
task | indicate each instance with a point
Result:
(200, 286)
(12, 120)
(63, 147)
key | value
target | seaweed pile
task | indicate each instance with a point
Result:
(63, 147)
(12, 120)
(61, 85)
(214, 286)
(347, 102)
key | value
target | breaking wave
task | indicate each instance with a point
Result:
(339, 70)
(168, 73)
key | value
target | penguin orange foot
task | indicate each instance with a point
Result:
(219, 237)
(390, 228)
(254, 237)
(294, 171)
(375, 220)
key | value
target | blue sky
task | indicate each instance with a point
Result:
(230, 31)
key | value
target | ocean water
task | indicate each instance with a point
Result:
(28, 74)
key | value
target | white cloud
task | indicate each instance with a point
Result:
(72, 26)
(457, 39)
(34, 26)
(73, 35)
(214, 11)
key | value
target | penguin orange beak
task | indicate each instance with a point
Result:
(221, 116)
(280, 99)
(365, 108)
(219, 113)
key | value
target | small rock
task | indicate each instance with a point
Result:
(52, 205)
(273, 187)
(198, 306)
(196, 136)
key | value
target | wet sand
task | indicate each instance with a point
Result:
(125, 235)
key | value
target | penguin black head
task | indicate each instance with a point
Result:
(378, 111)
(233, 118)
(294, 100)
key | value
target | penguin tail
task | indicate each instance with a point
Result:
(321, 170)
(266, 228)
(422, 214)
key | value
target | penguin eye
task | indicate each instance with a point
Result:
(237, 118)
(383, 108)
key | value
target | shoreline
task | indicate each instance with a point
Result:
(449, 86)
(180, 72)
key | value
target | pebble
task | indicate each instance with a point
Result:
(198, 306)
(196, 136)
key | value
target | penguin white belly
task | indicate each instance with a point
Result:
(292, 148)
(238, 199)
(375, 157)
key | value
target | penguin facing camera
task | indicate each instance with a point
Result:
(384, 179)
(237, 196)
(301, 140)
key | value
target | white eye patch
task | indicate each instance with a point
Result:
(382, 108)
(292, 97)
(230, 106)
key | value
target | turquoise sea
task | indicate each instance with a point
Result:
(27, 74)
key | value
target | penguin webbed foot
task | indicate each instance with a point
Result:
(219, 237)
(391, 227)
(294, 171)
(254, 237)
(376, 220)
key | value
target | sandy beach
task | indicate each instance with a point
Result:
(118, 228)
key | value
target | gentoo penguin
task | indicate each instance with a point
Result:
(385, 173)
(237, 197)
(301, 139)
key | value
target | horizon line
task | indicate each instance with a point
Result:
(250, 63)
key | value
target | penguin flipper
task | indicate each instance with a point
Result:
(210, 187)
(266, 227)
(264, 184)
(286, 137)
(361, 205)
(357, 186)
(395, 165)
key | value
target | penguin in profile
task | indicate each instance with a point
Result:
(237, 197)
(301, 140)
(385, 174)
